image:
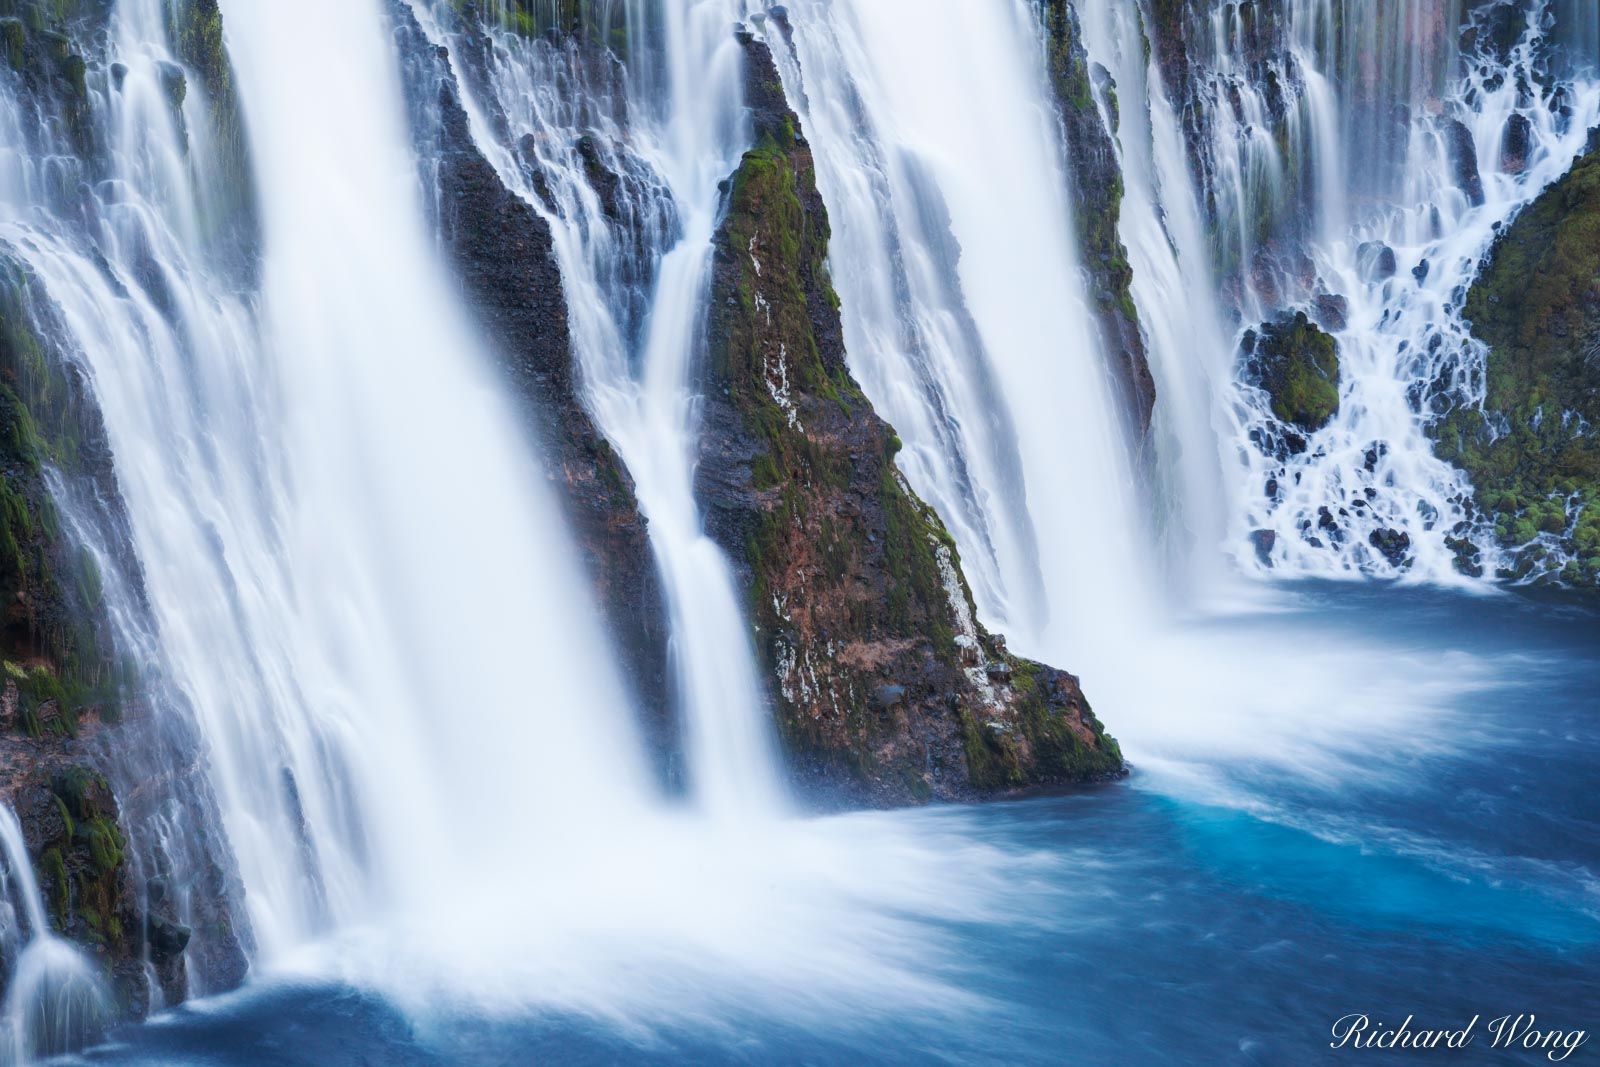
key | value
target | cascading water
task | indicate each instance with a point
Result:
(889, 122)
(1174, 289)
(411, 723)
(437, 631)
(1399, 164)
(636, 294)
(357, 577)
(990, 371)
(54, 1002)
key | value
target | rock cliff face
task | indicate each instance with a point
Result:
(503, 253)
(887, 691)
(1532, 450)
(1097, 205)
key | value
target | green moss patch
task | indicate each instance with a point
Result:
(1297, 364)
(1531, 452)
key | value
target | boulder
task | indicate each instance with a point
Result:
(1297, 364)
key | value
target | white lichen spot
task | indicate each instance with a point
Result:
(777, 378)
(784, 669)
(966, 629)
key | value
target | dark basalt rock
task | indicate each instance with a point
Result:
(503, 252)
(1392, 545)
(1516, 144)
(1377, 261)
(1333, 312)
(1463, 159)
(854, 585)
(1171, 25)
(1493, 29)
(889, 696)
(165, 938)
(1264, 542)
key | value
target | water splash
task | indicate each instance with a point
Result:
(54, 1001)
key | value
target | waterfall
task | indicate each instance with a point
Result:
(53, 1001)
(637, 302)
(438, 629)
(1175, 290)
(963, 305)
(913, 115)
(1301, 177)
(349, 573)
(421, 756)
(1356, 160)
(357, 575)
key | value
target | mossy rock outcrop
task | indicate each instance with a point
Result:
(81, 775)
(1097, 206)
(1297, 364)
(58, 649)
(887, 691)
(60, 680)
(64, 684)
(1531, 451)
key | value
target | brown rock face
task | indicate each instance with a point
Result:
(887, 691)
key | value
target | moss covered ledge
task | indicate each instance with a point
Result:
(1531, 450)
(886, 690)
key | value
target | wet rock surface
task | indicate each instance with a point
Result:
(862, 619)
(1531, 450)
(1297, 364)
(1097, 189)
